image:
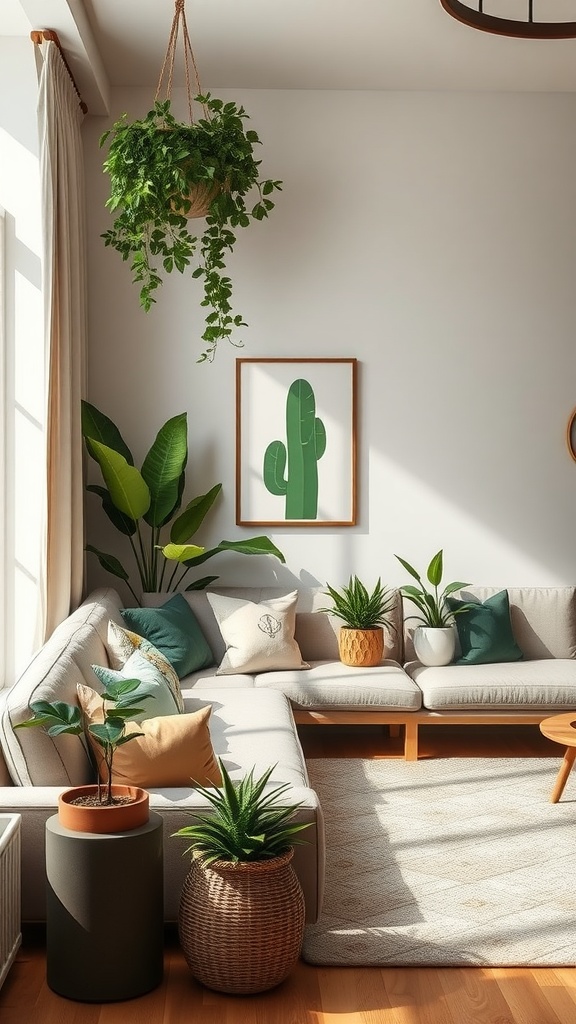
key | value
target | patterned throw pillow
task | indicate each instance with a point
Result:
(258, 637)
(121, 645)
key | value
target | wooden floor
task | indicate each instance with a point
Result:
(330, 995)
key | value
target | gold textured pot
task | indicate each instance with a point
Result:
(361, 648)
(241, 925)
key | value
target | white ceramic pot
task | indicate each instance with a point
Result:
(434, 645)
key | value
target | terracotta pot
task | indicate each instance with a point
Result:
(241, 925)
(361, 648)
(106, 817)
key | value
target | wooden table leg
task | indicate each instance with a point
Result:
(565, 769)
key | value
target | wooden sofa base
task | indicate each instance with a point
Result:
(412, 720)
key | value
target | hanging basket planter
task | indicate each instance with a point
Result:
(210, 161)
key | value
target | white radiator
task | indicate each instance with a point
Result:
(10, 933)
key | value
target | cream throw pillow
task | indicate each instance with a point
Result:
(258, 637)
(173, 750)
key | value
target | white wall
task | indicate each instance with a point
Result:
(433, 237)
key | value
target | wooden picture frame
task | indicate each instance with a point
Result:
(296, 442)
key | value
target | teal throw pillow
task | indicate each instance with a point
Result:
(174, 630)
(162, 702)
(485, 631)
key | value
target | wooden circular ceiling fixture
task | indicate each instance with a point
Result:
(472, 13)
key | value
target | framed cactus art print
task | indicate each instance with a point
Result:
(296, 442)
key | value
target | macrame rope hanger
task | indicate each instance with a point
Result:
(179, 21)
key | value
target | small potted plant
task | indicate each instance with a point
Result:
(241, 919)
(164, 172)
(361, 639)
(434, 638)
(105, 806)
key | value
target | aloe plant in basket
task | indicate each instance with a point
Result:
(143, 504)
(241, 918)
(156, 166)
(361, 639)
(437, 647)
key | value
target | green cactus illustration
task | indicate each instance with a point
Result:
(291, 469)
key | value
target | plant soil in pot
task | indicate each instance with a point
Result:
(84, 809)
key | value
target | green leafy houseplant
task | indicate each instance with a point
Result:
(119, 704)
(141, 504)
(154, 165)
(360, 610)
(432, 603)
(247, 824)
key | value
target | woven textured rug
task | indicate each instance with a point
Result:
(454, 861)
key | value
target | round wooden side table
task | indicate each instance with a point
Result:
(104, 912)
(562, 729)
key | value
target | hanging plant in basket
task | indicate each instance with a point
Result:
(164, 173)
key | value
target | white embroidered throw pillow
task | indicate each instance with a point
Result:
(258, 637)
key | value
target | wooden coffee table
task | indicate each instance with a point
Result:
(562, 729)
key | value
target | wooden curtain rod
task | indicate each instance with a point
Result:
(49, 35)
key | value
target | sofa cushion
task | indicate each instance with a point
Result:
(161, 700)
(259, 636)
(171, 750)
(541, 685)
(330, 684)
(175, 631)
(543, 618)
(121, 644)
(485, 630)
(33, 757)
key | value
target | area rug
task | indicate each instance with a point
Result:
(445, 862)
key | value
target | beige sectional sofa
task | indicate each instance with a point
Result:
(254, 715)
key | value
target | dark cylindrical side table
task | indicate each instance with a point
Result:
(104, 914)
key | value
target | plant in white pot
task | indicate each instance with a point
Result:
(365, 615)
(241, 918)
(434, 639)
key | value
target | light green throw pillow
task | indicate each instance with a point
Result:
(162, 701)
(174, 630)
(485, 631)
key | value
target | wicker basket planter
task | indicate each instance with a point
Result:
(241, 925)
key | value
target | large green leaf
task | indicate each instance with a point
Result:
(434, 571)
(128, 490)
(109, 562)
(98, 427)
(186, 525)
(163, 467)
(181, 552)
(124, 524)
(252, 546)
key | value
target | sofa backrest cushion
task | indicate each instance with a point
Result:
(33, 758)
(543, 619)
(316, 632)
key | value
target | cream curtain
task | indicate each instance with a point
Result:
(64, 289)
